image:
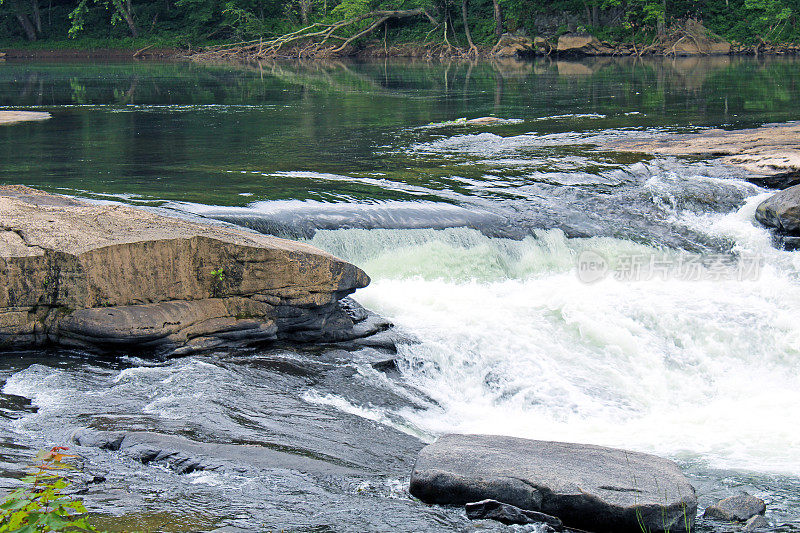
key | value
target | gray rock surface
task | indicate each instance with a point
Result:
(756, 523)
(587, 487)
(105, 276)
(737, 508)
(184, 456)
(509, 514)
(777, 181)
(781, 211)
(789, 243)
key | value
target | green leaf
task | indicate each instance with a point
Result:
(78, 506)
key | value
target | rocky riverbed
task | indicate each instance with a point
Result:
(101, 277)
(770, 151)
(769, 156)
(473, 235)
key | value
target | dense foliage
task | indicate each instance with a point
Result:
(196, 22)
(40, 505)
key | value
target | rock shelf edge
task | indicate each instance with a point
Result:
(102, 277)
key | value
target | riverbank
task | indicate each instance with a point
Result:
(509, 46)
(570, 46)
(93, 53)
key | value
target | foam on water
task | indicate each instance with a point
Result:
(486, 143)
(161, 391)
(512, 342)
(376, 414)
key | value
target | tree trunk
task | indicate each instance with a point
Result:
(305, 6)
(125, 10)
(128, 14)
(37, 18)
(472, 46)
(131, 25)
(498, 19)
(30, 31)
(595, 15)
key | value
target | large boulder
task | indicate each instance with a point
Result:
(101, 276)
(781, 211)
(694, 47)
(513, 44)
(587, 487)
(581, 44)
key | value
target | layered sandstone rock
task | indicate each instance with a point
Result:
(513, 44)
(767, 151)
(581, 44)
(103, 276)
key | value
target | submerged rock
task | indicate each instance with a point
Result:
(588, 487)
(105, 276)
(756, 523)
(781, 211)
(481, 121)
(777, 181)
(509, 514)
(737, 508)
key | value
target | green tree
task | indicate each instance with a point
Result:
(121, 11)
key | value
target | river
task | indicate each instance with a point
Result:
(474, 237)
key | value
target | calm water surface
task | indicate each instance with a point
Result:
(471, 235)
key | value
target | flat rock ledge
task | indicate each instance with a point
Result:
(110, 276)
(184, 456)
(771, 150)
(12, 117)
(585, 486)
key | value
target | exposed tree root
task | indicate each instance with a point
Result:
(315, 40)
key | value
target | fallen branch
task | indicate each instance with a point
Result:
(139, 52)
(315, 36)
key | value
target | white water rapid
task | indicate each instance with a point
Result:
(512, 342)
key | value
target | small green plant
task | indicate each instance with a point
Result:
(219, 274)
(217, 282)
(40, 505)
